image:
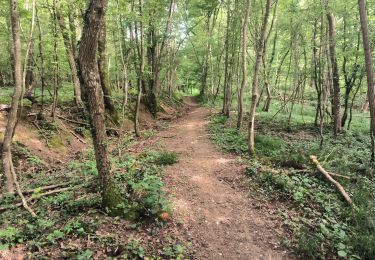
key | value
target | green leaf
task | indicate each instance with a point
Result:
(4, 247)
(341, 253)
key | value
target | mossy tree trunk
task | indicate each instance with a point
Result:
(93, 22)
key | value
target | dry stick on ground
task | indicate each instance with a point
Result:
(320, 168)
(41, 195)
(83, 123)
(49, 187)
(72, 132)
(18, 188)
(41, 132)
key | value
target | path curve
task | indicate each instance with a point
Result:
(221, 220)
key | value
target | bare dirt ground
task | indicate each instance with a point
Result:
(222, 221)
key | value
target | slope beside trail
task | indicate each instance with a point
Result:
(221, 220)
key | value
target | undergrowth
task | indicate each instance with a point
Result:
(72, 225)
(322, 223)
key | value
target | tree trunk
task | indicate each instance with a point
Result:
(335, 75)
(93, 21)
(254, 98)
(369, 71)
(41, 56)
(103, 72)
(71, 59)
(244, 64)
(140, 82)
(227, 87)
(12, 116)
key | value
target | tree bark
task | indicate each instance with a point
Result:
(12, 116)
(335, 75)
(369, 71)
(245, 24)
(227, 85)
(254, 98)
(140, 82)
(90, 77)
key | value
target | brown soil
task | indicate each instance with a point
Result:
(209, 198)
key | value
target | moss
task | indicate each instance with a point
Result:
(56, 142)
(111, 199)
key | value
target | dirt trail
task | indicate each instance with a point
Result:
(221, 220)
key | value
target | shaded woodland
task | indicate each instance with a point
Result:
(89, 90)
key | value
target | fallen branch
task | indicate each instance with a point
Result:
(327, 175)
(18, 188)
(39, 196)
(49, 187)
(84, 123)
(41, 132)
(72, 132)
(339, 175)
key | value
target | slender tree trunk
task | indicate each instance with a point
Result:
(103, 72)
(244, 64)
(369, 70)
(227, 90)
(12, 116)
(254, 99)
(29, 51)
(140, 81)
(93, 22)
(71, 59)
(41, 56)
(56, 81)
(335, 75)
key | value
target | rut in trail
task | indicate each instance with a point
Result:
(220, 218)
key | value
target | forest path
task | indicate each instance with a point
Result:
(221, 220)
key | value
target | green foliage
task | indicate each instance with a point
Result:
(142, 185)
(134, 250)
(55, 236)
(8, 237)
(174, 252)
(85, 165)
(85, 255)
(160, 157)
(324, 225)
(228, 139)
(268, 145)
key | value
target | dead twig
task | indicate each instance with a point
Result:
(41, 195)
(72, 132)
(49, 187)
(19, 191)
(41, 132)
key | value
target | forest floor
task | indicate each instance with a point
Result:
(213, 215)
(210, 197)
